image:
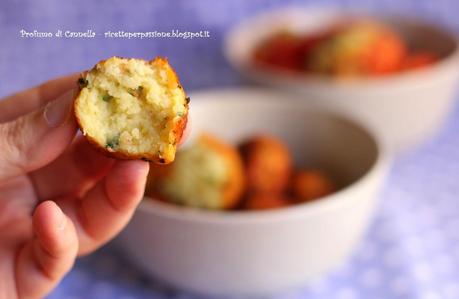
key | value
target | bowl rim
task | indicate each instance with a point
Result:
(378, 168)
(451, 61)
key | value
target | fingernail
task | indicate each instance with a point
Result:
(57, 111)
(61, 221)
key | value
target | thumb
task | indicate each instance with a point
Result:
(35, 139)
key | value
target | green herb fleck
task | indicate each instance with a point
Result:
(107, 98)
(210, 179)
(139, 91)
(82, 82)
(113, 142)
(136, 92)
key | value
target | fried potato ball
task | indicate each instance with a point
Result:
(266, 201)
(208, 174)
(268, 164)
(359, 48)
(307, 185)
(132, 108)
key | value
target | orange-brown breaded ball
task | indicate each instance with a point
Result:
(359, 48)
(266, 201)
(268, 164)
(208, 174)
(308, 185)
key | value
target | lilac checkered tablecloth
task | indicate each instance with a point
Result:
(412, 247)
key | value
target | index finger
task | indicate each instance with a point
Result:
(31, 99)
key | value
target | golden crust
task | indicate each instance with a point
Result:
(268, 164)
(150, 157)
(308, 185)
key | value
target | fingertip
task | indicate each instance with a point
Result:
(125, 184)
(54, 230)
(45, 259)
(130, 170)
(47, 216)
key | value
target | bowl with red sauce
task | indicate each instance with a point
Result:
(397, 73)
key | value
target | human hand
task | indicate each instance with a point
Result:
(59, 198)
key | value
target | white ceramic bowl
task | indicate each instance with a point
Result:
(253, 253)
(407, 107)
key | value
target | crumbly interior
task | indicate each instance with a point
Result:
(198, 178)
(132, 106)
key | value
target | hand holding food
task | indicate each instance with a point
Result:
(49, 179)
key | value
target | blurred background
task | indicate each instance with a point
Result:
(412, 247)
(199, 62)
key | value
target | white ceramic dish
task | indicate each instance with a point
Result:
(256, 253)
(407, 107)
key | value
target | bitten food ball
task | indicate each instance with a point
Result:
(209, 174)
(268, 164)
(308, 185)
(132, 109)
(266, 201)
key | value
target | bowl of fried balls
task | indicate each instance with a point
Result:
(256, 174)
(266, 194)
(398, 73)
